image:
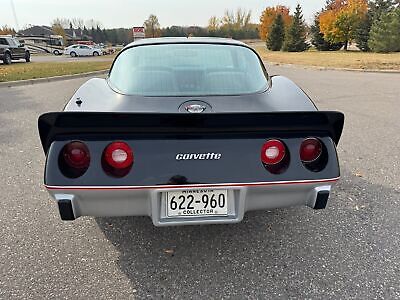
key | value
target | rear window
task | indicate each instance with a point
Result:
(188, 70)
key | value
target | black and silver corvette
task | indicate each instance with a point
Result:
(189, 131)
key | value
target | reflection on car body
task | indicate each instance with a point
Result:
(132, 148)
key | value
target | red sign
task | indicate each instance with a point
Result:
(138, 29)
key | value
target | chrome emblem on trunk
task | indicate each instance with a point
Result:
(195, 108)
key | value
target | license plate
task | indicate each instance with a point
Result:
(197, 203)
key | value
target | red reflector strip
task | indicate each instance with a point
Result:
(218, 185)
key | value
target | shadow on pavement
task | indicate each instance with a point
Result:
(339, 252)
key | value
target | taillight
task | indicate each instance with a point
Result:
(310, 150)
(273, 152)
(117, 159)
(274, 156)
(74, 159)
(313, 154)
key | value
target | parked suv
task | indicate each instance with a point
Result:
(11, 49)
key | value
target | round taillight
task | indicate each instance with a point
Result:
(310, 150)
(76, 155)
(118, 155)
(273, 152)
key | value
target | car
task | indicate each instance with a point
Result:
(82, 50)
(189, 131)
(11, 49)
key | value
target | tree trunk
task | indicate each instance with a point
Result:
(346, 43)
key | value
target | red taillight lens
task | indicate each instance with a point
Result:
(118, 158)
(310, 150)
(273, 152)
(76, 155)
(74, 159)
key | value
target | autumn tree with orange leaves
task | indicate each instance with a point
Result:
(268, 17)
(340, 20)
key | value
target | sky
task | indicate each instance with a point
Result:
(129, 13)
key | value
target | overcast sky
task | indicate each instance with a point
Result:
(128, 13)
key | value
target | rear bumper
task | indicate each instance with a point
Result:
(74, 202)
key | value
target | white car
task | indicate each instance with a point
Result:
(82, 50)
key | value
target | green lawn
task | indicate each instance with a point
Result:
(20, 71)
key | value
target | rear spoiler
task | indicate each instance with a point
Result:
(52, 125)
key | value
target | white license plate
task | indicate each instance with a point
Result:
(197, 203)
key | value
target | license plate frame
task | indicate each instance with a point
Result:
(193, 205)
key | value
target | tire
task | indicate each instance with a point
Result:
(27, 56)
(73, 54)
(7, 59)
(95, 53)
(56, 52)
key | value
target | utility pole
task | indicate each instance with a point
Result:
(15, 15)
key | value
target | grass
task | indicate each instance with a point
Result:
(333, 59)
(21, 71)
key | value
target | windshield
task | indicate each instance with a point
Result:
(188, 70)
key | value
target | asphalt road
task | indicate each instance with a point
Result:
(350, 250)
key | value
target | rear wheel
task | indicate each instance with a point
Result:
(27, 56)
(73, 54)
(7, 59)
(56, 52)
(95, 53)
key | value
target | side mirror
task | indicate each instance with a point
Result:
(21, 45)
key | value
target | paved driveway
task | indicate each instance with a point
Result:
(350, 250)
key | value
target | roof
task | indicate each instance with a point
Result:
(71, 34)
(183, 40)
(36, 30)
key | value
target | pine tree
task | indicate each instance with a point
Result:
(277, 34)
(377, 8)
(381, 7)
(362, 33)
(384, 35)
(317, 38)
(295, 37)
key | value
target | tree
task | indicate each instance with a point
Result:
(277, 34)
(58, 29)
(381, 7)
(377, 8)
(214, 23)
(233, 24)
(78, 23)
(317, 38)
(7, 30)
(385, 33)
(340, 21)
(62, 22)
(268, 17)
(361, 35)
(295, 37)
(152, 26)
(92, 23)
